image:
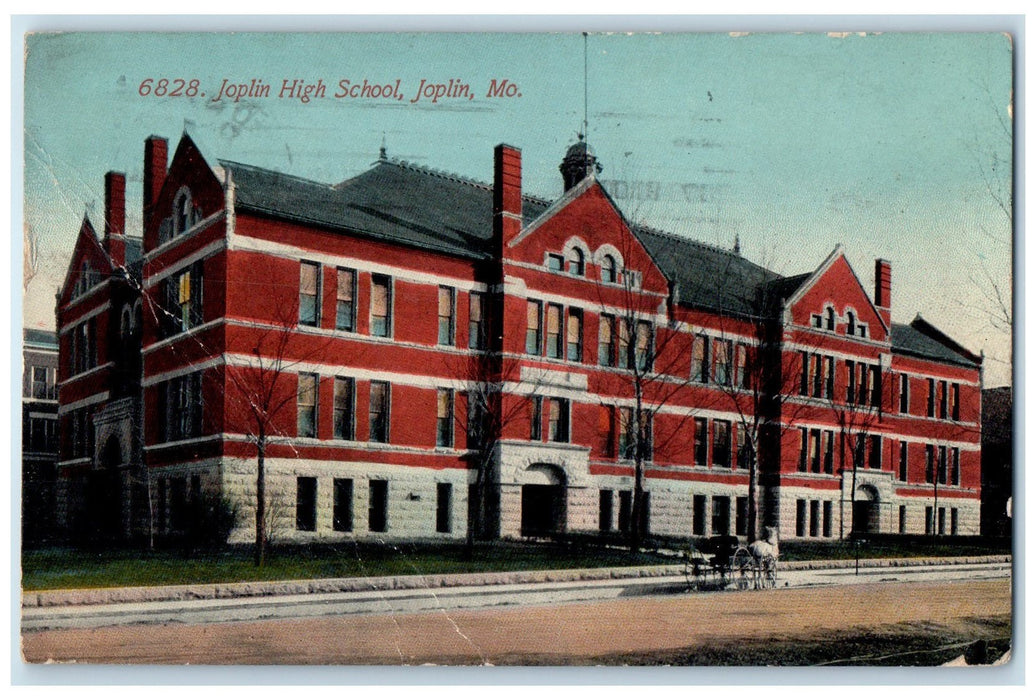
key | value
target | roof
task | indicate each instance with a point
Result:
(917, 339)
(393, 201)
(706, 276)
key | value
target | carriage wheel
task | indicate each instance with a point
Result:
(742, 569)
(769, 572)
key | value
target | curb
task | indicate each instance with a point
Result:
(215, 591)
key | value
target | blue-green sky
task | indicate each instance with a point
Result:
(896, 145)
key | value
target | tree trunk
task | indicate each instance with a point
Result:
(260, 500)
(635, 509)
(753, 510)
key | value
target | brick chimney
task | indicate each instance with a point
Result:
(156, 153)
(115, 217)
(883, 289)
(507, 196)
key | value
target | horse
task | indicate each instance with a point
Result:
(768, 546)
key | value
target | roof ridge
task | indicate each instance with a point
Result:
(225, 162)
(684, 239)
(436, 172)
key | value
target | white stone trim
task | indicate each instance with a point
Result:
(181, 263)
(188, 234)
(70, 324)
(161, 344)
(82, 403)
(84, 374)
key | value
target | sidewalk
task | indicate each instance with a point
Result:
(215, 591)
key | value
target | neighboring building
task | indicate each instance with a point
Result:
(350, 325)
(39, 433)
(997, 460)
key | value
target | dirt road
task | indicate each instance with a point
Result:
(573, 633)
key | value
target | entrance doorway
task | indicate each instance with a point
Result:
(865, 511)
(543, 502)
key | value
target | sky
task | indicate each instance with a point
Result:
(896, 145)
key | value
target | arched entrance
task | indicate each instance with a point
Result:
(543, 501)
(104, 494)
(865, 510)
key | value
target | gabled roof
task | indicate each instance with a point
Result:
(922, 339)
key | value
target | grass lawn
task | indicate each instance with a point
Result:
(69, 568)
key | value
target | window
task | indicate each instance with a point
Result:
(606, 341)
(874, 457)
(953, 521)
(744, 449)
(902, 520)
(850, 383)
(861, 389)
(928, 520)
(861, 330)
(604, 518)
(184, 215)
(536, 419)
(827, 518)
(803, 449)
(476, 321)
(742, 370)
(609, 270)
(576, 262)
(344, 409)
(942, 521)
(342, 516)
(625, 510)
(955, 467)
(860, 451)
(306, 503)
(557, 420)
(875, 377)
(447, 320)
(720, 515)
(698, 515)
(627, 433)
(829, 374)
(701, 441)
(850, 320)
(309, 294)
(644, 347)
(942, 464)
(88, 277)
(555, 263)
(817, 321)
(814, 450)
(178, 503)
(904, 394)
(307, 398)
(829, 314)
(180, 408)
(533, 327)
(800, 518)
(380, 408)
(904, 456)
(818, 376)
(721, 443)
(741, 516)
(345, 311)
(829, 451)
(381, 306)
(721, 367)
(554, 312)
(814, 518)
(377, 511)
(929, 464)
(700, 359)
(444, 507)
(804, 378)
(931, 398)
(44, 383)
(943, 400)
(444, 418)
(624, 360)
(955, 401)
(606, 429)
(575, 335)
(43, 434)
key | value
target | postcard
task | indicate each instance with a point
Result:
(534, 349)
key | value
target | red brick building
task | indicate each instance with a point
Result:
(405, 340)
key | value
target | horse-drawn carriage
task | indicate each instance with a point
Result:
(723, 562)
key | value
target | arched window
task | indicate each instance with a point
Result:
(609, 270)
(830, 314)
(182, 210)
(851, 321)
(576, 262)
